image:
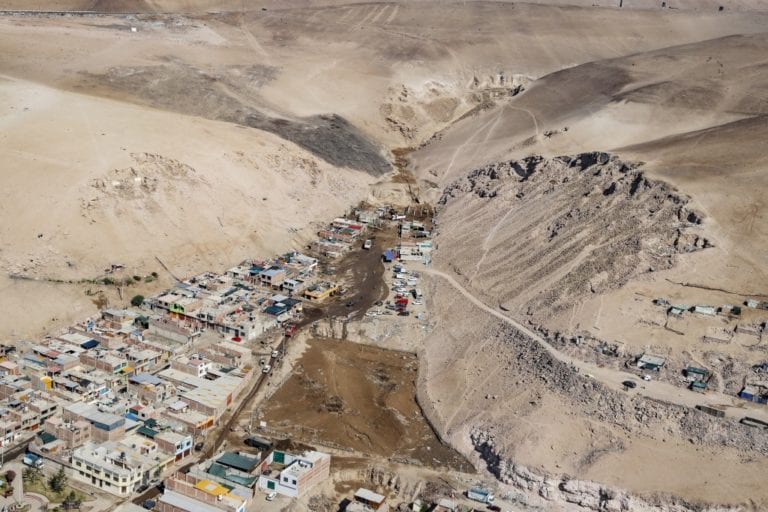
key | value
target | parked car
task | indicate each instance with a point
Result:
(199, 446)
(149, 504)
(417, 302)
(367, 244)
(275, 353)
(271, 496)
(267, 368)
(630, 384)
(646, 378)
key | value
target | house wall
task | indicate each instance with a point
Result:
(95, 476)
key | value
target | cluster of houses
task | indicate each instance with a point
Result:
(414, 243)
(229, 481)
(339, 237)
(243, 303)
(117, 403)
(123, 399)
(678, 310)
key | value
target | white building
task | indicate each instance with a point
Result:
(297, 474)
(119, 468)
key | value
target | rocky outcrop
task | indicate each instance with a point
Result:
(566, 493)
(554, 230)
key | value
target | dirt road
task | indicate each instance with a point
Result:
(734, 408)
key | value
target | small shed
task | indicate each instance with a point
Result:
(371, 499)
(696, 374)
(705, 310)
(388, 256)
(699, 386)
(651, 362)
(678, 309)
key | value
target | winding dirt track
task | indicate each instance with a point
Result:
(735, 408)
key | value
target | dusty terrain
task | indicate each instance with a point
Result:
(585, 160)
(361, 398)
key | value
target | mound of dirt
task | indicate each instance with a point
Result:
(363, 400)
(543, 233)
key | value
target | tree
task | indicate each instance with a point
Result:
(31, 475)
(72, 501)
(10, 476)
(137, 300)
(58, 481)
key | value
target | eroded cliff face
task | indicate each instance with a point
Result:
(568, 493)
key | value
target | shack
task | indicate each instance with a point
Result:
(366, 501)
(694, 374)
(651, 362)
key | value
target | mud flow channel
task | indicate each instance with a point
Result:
(359, 398)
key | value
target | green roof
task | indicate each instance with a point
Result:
(224, 473)
(46, 438)
(146, 431)
(238, 461)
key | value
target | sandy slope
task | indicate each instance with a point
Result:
(396, 72)
(696, 114)
(89, 182)
(692, 112)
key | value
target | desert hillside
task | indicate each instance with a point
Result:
(594, 165)
(573, 206)
(249, 93)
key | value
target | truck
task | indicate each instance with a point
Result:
(480, 494)
(32, 460)
(258, 442)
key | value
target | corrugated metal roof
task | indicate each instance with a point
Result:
(237, 461)
(147, 432)
(89, 344)
(369, 496)
(46, 438)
